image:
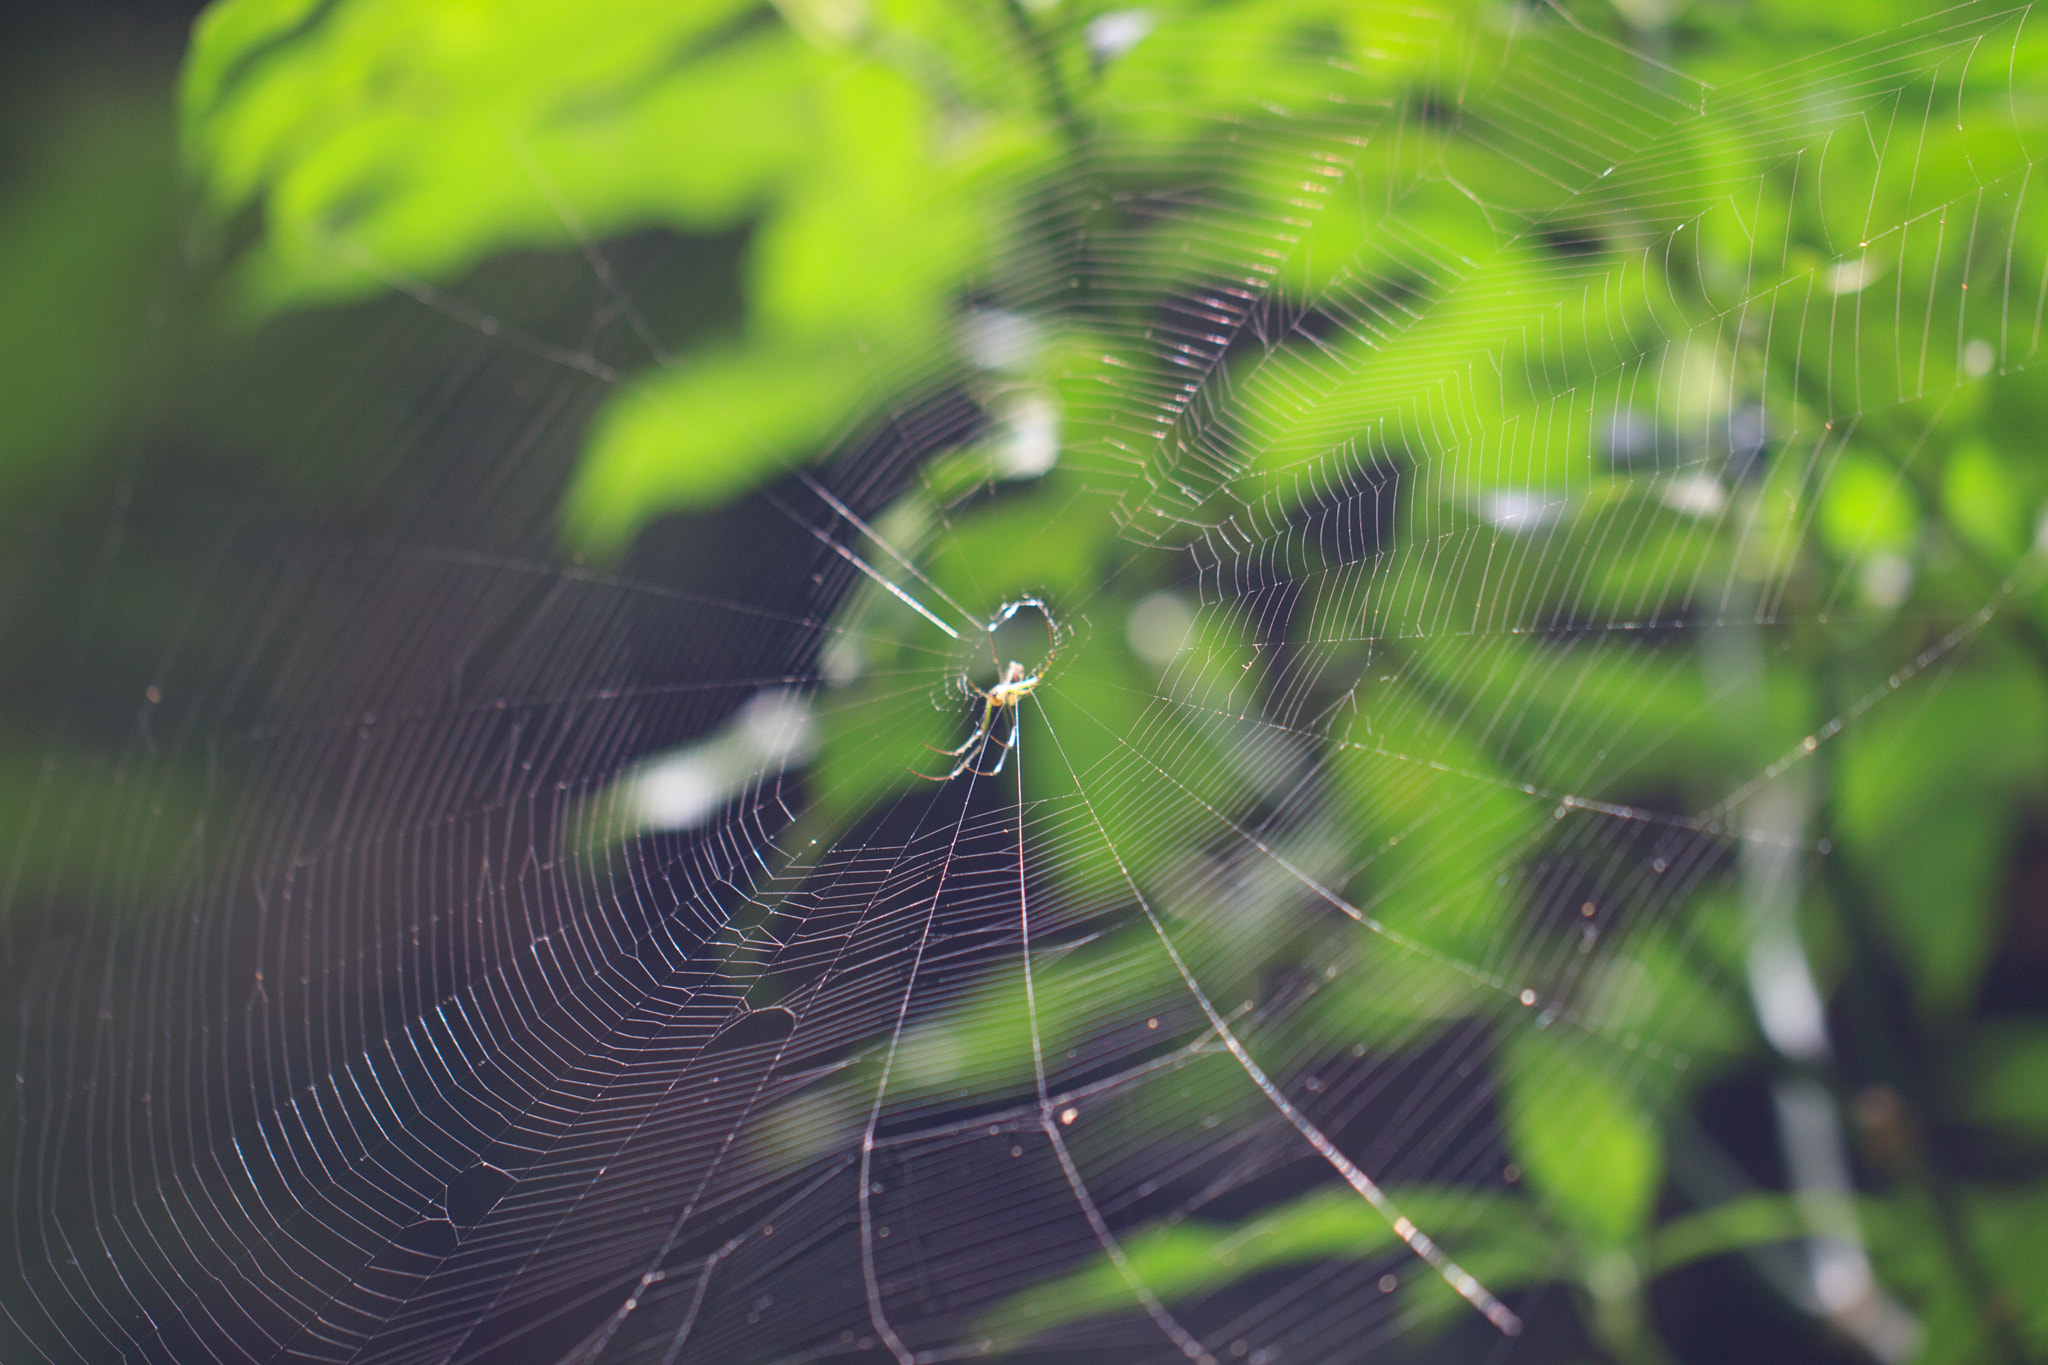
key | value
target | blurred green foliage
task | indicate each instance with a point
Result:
(1817, 213)
(81, 245)
(88, 207)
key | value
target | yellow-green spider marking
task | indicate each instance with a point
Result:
(1009, 691)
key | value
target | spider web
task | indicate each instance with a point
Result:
(540, 971)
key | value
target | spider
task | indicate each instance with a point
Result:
(1009, 690)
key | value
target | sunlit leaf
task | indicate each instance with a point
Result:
(1579, 1134)
(1922, 801)
(1753, 1221)
(1187, 1260)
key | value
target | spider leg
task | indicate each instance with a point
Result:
(1004, 744)
(968, 749)
(981, 729)
(980, 733)
(958, 768)
(984, 734)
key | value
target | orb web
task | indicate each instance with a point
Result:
(502, 958)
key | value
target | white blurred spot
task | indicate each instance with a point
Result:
(807, 1126)
(1027, 442)
(930, 1056)
(1630, 438)
(1749, 436)
(777, 724)
(1696, 495)
(1886, 580)
(1787, 1002)
(1978, 358)
(1648, 15)
(683, 789)
(838, 19)
(1516, 510)
(842, 659)
(1158, 627)
(1851, 277)
(1613, 1275)
(1113, 34)
(679, 793)
(997, 339)
(1842, 1285)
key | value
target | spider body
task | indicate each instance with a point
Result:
(1013, 687)
(1008, 692)
(1010, 689)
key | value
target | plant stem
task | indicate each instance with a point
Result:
(1879, 1031)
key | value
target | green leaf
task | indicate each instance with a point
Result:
(1401, 769)
(1501, 1244)
(1867, 510)
(1574, 1126)
(154, 842)
(1925, 803)
(1754, 1220)
(391, 136)
(393, 140)
(1938, 879)
(83, 228)
(1984, 501)
(2006, 1230)
(2003, 1076)
(701, 434)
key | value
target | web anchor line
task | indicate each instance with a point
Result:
(1463, 1282)
(1189, 1345)
(878, 1318)
(832, 500)
(824, 538)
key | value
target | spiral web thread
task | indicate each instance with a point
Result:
(395, 1065)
